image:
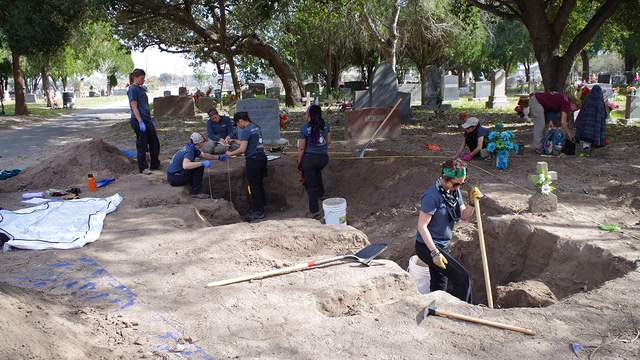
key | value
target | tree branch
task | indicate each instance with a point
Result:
(606, 10)
(495, 10)
(562, 17)
(372, 27)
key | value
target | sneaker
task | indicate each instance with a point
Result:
(252, 215)
(200, 196)
(147, 172)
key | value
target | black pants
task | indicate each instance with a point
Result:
(192, 177)
(454, 271)
(256, 167)
(312, 165)
(148, 138)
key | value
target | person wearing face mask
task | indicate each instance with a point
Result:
(441, 207)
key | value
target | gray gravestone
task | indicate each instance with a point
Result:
(182, 91)
(405, 105)
(30, 98)
(273, 92)
(166, 93)
(384, 87)
(247, 94)
(361, 99)
(346, 92)
(257, 88)
(264, 113)
(632, 110)
(607, 90)
(604, 78)
(355, 85)
(482, 90)
(450, 90)
(432, 94)
(414, 90)
(498, 98)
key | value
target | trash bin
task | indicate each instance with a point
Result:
(68, 99)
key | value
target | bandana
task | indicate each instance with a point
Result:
(451, 200)
(454, 173)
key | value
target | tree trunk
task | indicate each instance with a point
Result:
(64, 83)
(337, 71)
(460, 78)
(584, 56)
(423, 85)
(527, 71)
(328, 68)
(18, 81)
(234, 75)
(2, 97)
(256, 47)
(45, 83)
(630, 63)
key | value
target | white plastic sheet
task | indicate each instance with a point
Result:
(57, 225)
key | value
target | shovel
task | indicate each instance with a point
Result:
(364, 256)
(373, 137)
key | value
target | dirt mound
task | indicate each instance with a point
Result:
(627, 194)
(71, 165)
(530, 293)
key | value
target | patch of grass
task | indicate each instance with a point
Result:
(36, 110)
(91, 102)
(479, 107)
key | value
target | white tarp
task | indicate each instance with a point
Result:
(57, 225)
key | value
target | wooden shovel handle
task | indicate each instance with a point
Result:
(483, 254)
(385, 119)
(485, 322)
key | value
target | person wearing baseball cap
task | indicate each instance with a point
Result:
(184, 169)
(474, 135)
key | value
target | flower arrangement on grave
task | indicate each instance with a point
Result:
(543, 181)
(500, 144)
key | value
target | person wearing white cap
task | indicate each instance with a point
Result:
(474, 135)
(184, 169)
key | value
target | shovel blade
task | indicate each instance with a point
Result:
(370, 252)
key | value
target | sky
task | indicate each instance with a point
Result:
(154, 62)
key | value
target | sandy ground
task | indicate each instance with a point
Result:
(138, 292)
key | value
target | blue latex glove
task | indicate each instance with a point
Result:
(222, 157)
(206, 164)
(142, 126)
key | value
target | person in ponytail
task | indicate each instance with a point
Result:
(313, 155)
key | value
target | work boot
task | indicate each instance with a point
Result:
(200, 196)
(147, 172)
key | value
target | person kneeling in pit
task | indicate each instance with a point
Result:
(184, 169)
(220, 130)
(474, 135)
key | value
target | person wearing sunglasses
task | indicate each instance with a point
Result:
(441, 208)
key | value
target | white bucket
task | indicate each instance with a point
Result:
(420, 275)
(335, 211)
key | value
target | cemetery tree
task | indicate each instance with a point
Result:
(382, 23)
(38, 29)
(546, 22)
(227, 27)
(425, 36)
(622, 35)
(5, 73)
(467, 50)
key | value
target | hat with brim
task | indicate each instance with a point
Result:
(197, 138)
(472, 121)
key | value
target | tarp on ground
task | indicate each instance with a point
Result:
(57, 225)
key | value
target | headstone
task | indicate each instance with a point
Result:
(482, 90)
(266, 114)
(247, 94)
(362, 123)
(607, 90)
(313, 88)
(355, 85)
(346, 92)
(405, 105)
(182, 91)
(532, 86)
(257, 88)
(93, 94)
(166, 93)
(384, 87)
(450, 90)
(307, 100)
(173, 106)
(119, 92)
(632, 110)
(30, 98)
(415, 91)
(361, 99)
(205, 103)
(432, 91)
(273, 92)
(543, 202)
(498, 98)
(604, 78)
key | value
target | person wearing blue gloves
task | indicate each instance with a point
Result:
(142, 123)
(184, 169)
(220, 131)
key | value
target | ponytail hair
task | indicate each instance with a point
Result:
(316, 121)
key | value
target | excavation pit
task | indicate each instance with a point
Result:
(532, 267)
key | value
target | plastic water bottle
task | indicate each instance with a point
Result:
(92, 183)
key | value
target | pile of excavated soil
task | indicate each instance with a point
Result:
(71, 166)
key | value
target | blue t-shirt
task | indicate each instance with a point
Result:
(472, 139)
(139, 94)
(441, 225)
(322, 146)
(221, 129)
(253, 136)
(189, 151)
